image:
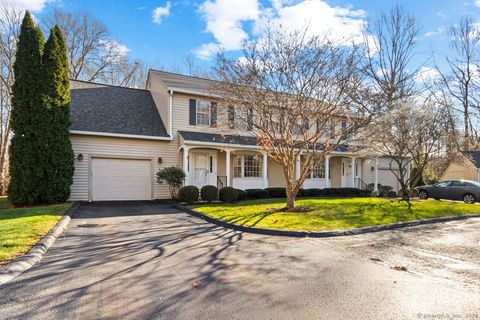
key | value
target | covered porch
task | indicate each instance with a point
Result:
(235, 161)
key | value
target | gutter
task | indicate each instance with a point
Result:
(170, 116)
(119, 135)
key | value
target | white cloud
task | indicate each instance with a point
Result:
(477, 3)
(114, 50)
(160, 12)
(207, 50)
(437, 32)
(226, 20)
(32, 5)
(427, 74)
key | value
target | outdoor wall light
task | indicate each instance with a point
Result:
(160, 160)
(372, 168)
(80, 157)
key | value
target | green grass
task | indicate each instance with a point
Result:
(332, 213)
(21, 228)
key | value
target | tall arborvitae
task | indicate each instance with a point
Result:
(57, 158)
(25, 170)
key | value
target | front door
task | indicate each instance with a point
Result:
(204, 169)
(346, 170)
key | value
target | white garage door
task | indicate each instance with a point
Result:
(121, 179)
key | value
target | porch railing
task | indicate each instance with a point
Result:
(360, 184)
(221, 182)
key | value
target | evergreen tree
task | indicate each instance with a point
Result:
(57, 155)
(25, 170)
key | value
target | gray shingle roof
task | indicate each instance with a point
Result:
(183, 83)
(241, 140)
(110, 109)
(474, 156)
(218, 138)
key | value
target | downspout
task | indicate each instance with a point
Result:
(170, 117)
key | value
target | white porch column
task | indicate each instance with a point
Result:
(297, 169)
(327, 171)
(185, 164)
(375, 186)
(353, 172)
(227, 165)
(265, 169)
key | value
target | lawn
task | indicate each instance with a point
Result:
(20, 228)
(332, 213)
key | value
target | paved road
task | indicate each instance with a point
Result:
(127, 261)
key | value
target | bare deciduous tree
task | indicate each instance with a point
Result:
(293, 91)
(11, 19)
(409, 135)
(93, 54)
(462, 79)
(390, 42)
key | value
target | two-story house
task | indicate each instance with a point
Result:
(121, 137)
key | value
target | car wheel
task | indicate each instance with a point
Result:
(469, 198)
(422, 194)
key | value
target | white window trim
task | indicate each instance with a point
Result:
(242, 157)
(209, 113)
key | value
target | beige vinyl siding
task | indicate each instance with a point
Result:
(120, 147)
(465, 170)
(276, 177)
(160, 96)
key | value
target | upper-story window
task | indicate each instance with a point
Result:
(239, 121)
(239, 118)
(203, 113)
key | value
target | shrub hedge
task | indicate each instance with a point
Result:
(228, 194)
(188, 194)
(242, 195)
(257, 193)
(209, 193)
(276, 192)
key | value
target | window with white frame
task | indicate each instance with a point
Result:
(203, 113)
(247, 166)
(239, 120)
(318, 171)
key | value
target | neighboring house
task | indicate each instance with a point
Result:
(121, 137)
(466, 168)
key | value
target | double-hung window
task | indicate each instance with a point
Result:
(247, 166)
(239, 120)
(203, 113)
(318, 171)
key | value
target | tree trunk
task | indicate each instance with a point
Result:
(290, 200)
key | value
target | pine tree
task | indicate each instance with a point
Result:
(25, 169)
(57, 157)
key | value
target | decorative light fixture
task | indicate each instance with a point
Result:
(160, 160)
(80, 157)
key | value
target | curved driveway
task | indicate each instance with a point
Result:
(139, 261)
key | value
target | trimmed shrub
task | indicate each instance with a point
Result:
(383, 190)
(257, 193)
(242, 195)
(314, 192)
(228, 194)
(301, 193)
(391, 194)
(188, 194)
(209, 193)
(276, 192)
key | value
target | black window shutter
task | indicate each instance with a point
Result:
(231, 117)
(193, 112)
(213, 114)
(250, 119)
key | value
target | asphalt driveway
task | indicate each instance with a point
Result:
(139, 261)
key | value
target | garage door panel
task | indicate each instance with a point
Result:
(121, 179)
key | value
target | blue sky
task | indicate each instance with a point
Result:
(162, 33)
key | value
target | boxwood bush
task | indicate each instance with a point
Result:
(242, 195)
(257, 193)
(209, 193)
(188, 194)
(277, 192)
(228, 194)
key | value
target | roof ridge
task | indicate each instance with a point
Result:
(108, 85)
(182, 75)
